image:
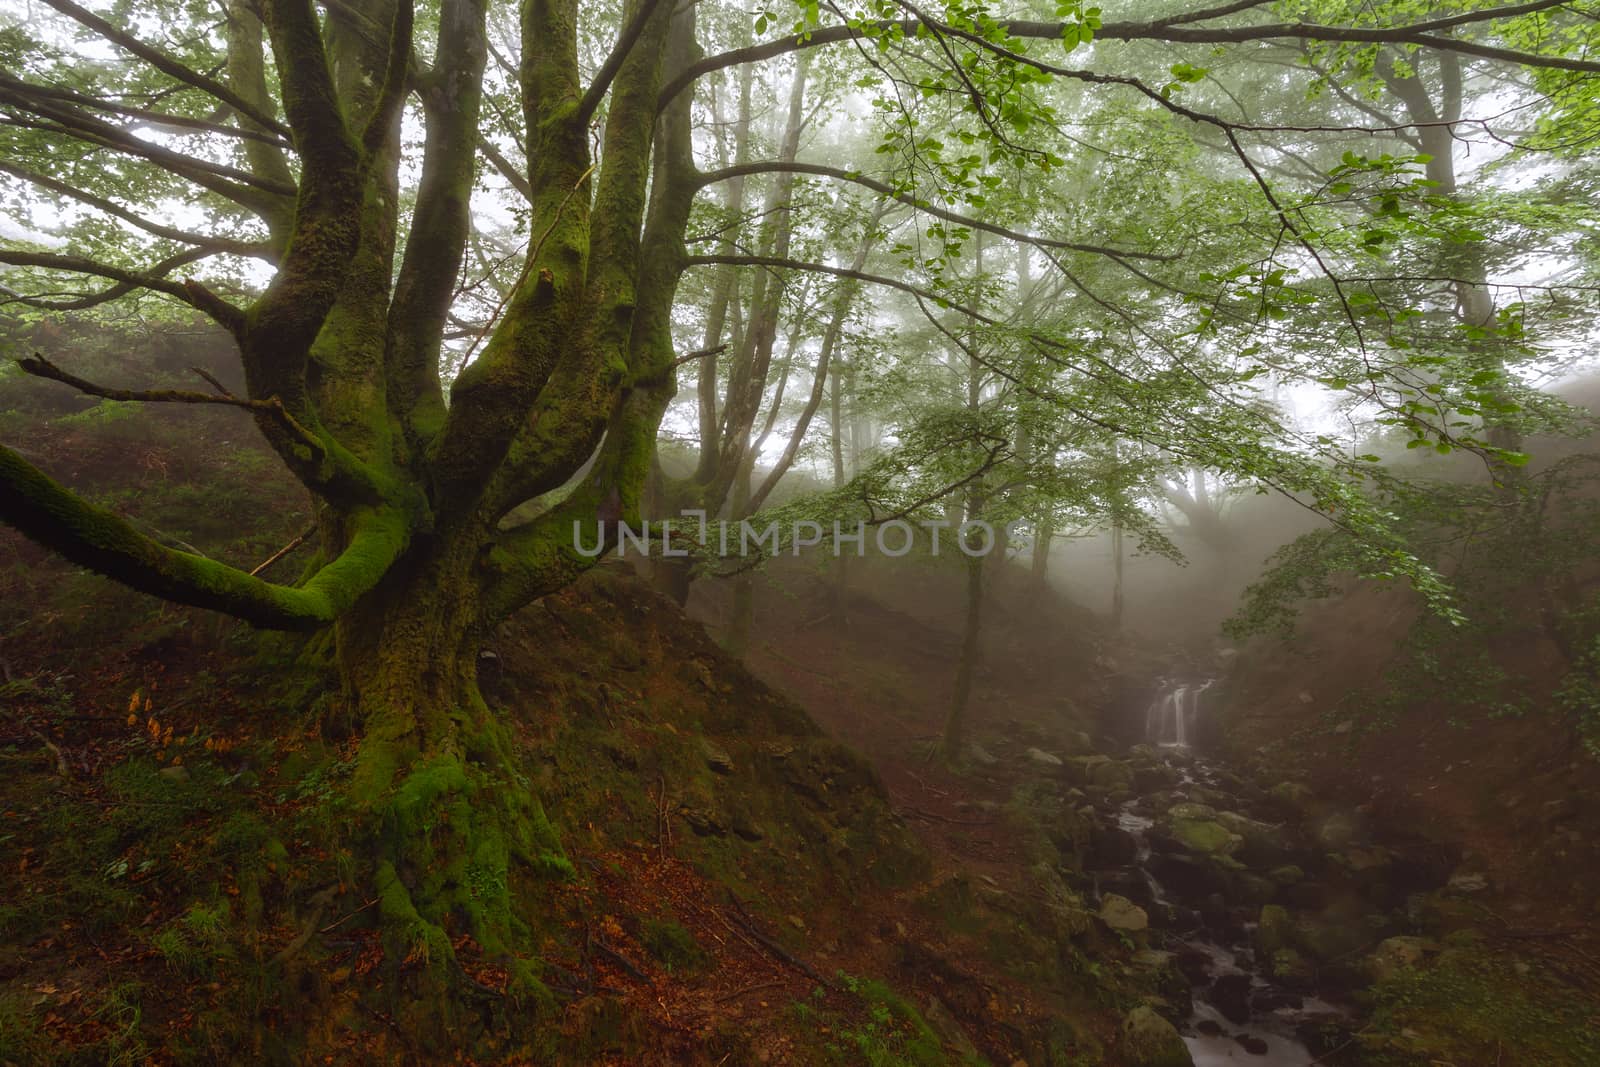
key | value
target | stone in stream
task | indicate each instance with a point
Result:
(1195, 965)
(1185, 877)
(1148, 1040)
(1252, 1044)
(1044, 759)
(1230, 993)
(1113, 846)
(1205, 836)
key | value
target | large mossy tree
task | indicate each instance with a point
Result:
(340, 146)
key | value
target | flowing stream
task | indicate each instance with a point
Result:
(1239, 1015)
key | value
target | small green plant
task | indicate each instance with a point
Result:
(674, 946)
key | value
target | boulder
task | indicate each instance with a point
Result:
(1292, 969)
(1186, 878)
(1189, 809)
(1392, 956)
(1272, 930)
(1287, 875)
(1230, 993)
(1293, 798)
(1113, 776)
(1338, 830)
(1042, 758)
(1148, 1040)
(1206, 837)
(1120, 913)
(1264, 845)
(1113, 846)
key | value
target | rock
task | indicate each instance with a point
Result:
(1292, 969)
(1338, 830)
(1392, 956)
(1231, 995)
(1206, 837)
(1113, 846)
(1254, 1045)
(1264, 845)
(949, 1030)
(1194, 965)
(1287, 875)
(1209, 1027)
(1468, 882)
(1272, 929)
(1112, 775)
(703, 820)
(1044, 759)
(1148, 1040)
(716, 758)
(1081, 768)
(1331, 937)
(1293, 798)
(1186, 878)
(1190, 810)
(1252, 890)
(1120, 913)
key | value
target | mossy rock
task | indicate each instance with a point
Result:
(1206, 837)
(1148, 1040)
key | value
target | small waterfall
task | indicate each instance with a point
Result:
(1173, 716)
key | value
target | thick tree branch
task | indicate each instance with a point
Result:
(224, 313)
(619, 53)
(108, 544)
(40, 367)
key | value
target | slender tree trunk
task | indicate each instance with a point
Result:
(955, 723)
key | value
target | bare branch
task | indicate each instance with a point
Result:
(167, 65)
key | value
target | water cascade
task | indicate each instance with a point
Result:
(1240, 1015)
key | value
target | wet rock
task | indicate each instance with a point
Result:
(1042, 758)
(1191, 810)
(1230, 993)
(1120, 913)
(1185, 877)
(1153, 777)
(1081, 768)
(1392, 956)
(1113, 776)
(1264, 845)
(1251, 889)
(1252, 1044)
(1206, 837)
(1266, 1001)
(1148, 1040)
(1113, 846)
(1338, 830)
(1272, 930)
(1292, 969)
(1194, 965)
(1287, 875)
(1209, 1028)
(1169, 983)
(1331, 937)
(1293, 798)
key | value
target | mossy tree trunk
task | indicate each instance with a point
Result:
(341, 356)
